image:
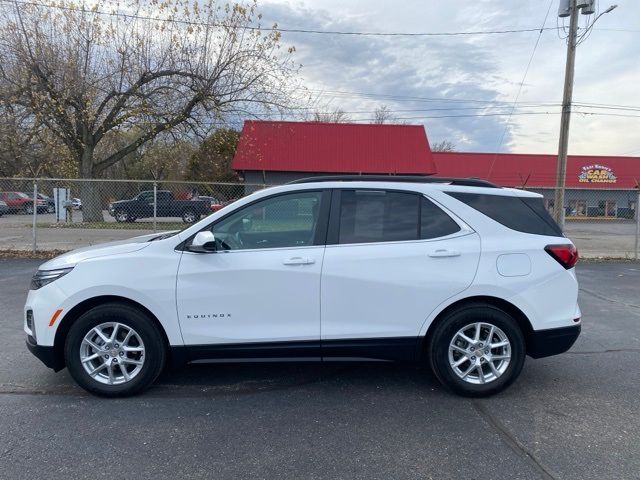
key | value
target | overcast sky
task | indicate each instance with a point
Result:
(473, 74)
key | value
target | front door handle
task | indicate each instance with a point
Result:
(443, 252)
(298, 261)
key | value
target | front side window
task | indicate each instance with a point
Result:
(284, 221)
(145, 197)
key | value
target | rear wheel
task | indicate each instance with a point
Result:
(114, 350)
(51, 209)
(28, 209)
(190, 216)
(477, 351)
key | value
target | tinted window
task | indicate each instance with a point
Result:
(378, 216)
(278, 222)
(526, 215)
(147, 196)
(434, 222)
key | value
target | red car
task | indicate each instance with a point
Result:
(19, 202)
(212, 203)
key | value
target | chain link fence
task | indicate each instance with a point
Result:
(55, 213)
(49, 213)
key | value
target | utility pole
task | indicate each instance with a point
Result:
(569, 8)
(561, 165)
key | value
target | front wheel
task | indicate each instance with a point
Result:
(114, 350)
(121, 216)
(477, 351)
(51, 209)
(28, 209)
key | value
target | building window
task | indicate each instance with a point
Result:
(607, 208)
(577, 208)
(549, 204)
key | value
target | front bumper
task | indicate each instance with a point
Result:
(544, 343)
(45, 354)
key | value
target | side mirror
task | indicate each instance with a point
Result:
(203, 242)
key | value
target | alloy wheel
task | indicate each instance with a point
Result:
(122, 216)
(189, 216)
(112, 353)
(479, 353)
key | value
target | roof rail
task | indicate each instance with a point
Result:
(467, 182)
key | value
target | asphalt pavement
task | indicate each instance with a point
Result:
(574, 416)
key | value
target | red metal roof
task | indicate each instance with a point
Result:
(333, 148)
(512, 169)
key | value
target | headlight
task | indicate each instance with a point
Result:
(44, 277)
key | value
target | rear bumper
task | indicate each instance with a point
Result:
(45, 354)
(544, 343)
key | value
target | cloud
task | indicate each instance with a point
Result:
(409, 74)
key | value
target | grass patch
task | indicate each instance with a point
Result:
(40, 254)
(161, 226)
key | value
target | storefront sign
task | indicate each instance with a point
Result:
(597, 174)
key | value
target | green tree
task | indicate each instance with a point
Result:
(212, 161)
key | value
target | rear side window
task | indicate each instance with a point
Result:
(523, 214)
(377, 216)
(368, 216)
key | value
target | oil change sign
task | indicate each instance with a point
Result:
(596, 174)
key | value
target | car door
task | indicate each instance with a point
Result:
(262, 285)
(392, 257)
(165, 205)
(142, 207)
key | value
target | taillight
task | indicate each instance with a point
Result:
(566, 255)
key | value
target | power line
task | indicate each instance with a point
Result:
(408, 98)
(479, 115)
(275, 28)
(524, 77)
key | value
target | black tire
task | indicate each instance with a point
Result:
(444, 332)
(190, 216)
(154, 346)
(51, 209)
(28, 209)
(121, 216)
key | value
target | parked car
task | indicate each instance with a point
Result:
(142, 207)
(460, 274)
(213, 203)
(76, 203)
(50, 204)
(19, 202)
(3, 208)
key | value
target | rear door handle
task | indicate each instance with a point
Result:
(298, 261)
(443, 252)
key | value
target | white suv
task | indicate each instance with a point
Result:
(458, 273)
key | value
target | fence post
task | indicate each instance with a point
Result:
(155, 205)
(35, 214)
(637, 222)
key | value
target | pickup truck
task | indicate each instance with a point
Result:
(142, 207)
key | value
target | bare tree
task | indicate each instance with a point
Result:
(87, 72)
(383, 115)
(443, 146)
(336, 116)
(28, 148)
